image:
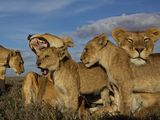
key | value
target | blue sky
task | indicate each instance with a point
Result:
(80, 19)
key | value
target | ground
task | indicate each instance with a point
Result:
(11, 107)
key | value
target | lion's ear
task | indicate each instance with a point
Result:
(68, 42)
(62, 52)
(117, 34)
(154, 33)
(17, 52)
(29, 37)
(103, 40)
(12, 52)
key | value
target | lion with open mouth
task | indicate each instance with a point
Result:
(88, 78)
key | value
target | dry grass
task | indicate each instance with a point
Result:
(11, 107)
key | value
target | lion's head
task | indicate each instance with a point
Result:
(49, 59)
(39, 41)
(15, 61)
(139, 45)
(90, 54)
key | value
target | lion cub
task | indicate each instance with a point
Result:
(64, 73)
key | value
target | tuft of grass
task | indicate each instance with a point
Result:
(11, 107)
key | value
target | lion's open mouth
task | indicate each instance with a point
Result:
(37, 44)
(44, 71)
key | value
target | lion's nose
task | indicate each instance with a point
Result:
(139, 50)
(81, 58)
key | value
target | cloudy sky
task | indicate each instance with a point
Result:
(80, 19)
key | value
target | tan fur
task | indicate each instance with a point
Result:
(141, 101)
(87, 75)
(64, 75)
(142, 104)
(118, 67)
(100, 50)
(139, 45)
(10, 59)
(52, 40)
(37, 88)
(147, 70)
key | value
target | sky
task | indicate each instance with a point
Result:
(79, 19)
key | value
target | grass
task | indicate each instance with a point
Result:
(11, 107)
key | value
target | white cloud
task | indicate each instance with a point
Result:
(134, 22)
(89, 5)
(31, 6)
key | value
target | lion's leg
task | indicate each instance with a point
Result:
(111, 108)
(2, 79)
(83, 112)
(30, 88)
(125, 93)
(115, 99)
(105, 97)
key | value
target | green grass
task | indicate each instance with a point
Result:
(11, 107)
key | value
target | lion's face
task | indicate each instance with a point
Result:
(90, 54)
(40, 41)
(49, 59)
(139, 45)
(16, 62)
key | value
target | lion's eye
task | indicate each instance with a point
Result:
(146, 39)
(46, 56)
(130, 40)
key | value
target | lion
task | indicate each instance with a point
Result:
(64, 74)
(120, 72)
(139, 45)
(9, 59)
(39, 41)
(100, 50)
(37, 88)
(87, 75)
(142, 105)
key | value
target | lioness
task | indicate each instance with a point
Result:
(9, 59)
(139, 45)
(117, 64)
(64, 74)
(143, 104)
(37, 88)
(88, 79)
